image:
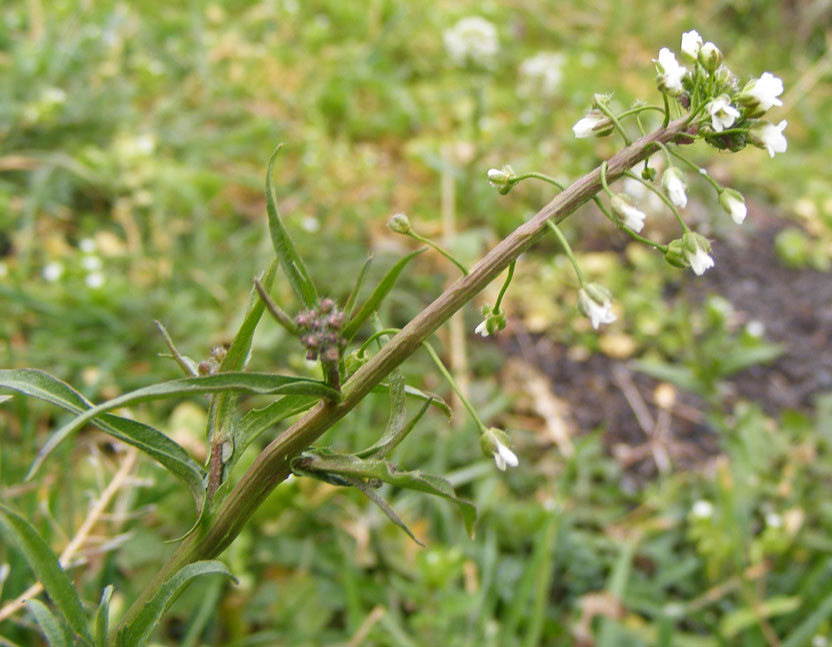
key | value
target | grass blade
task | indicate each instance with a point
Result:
(44, 563)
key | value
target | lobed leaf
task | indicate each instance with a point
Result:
(138, 632)
(288, 256)
(44, 563)
(377, 296)
(147, 439)
(258, 383)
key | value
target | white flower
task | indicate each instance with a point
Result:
(700, 261)
(472, 40)
(733, 202)
(774, 520)
(503, 179)
(595, 301)
(482, 329)
(91, 263)
(769, 136)
(764, 91)
(723, 114)
(755, 328)
(691, 43)
(53, 271)
(673, 183)
(702, 509)
(631, 216)
(94, 280)
(504, 457)
(542, 74)
(695, 249)
(594, 123)
(671, 72)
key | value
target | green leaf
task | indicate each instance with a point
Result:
(55, 632)
(351, 466)
(256, 421)
(137, 632)
(377, 296)
(152, 442)
(392, 436)
(288, 256)
(47, 569)
(737, 621)
(742, 358)
(221, 411)
(259, 383)
(385, 507)
(102, 617)
(356, 288)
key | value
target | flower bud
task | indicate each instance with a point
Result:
(691, 44)
(675, 255)
(354, 361)
(494, 443)
(595, 302)
(710, 56)
(673, 183)
(502, 179)
(594, 124)
(399, 223)
(492, 323)
(733, 202)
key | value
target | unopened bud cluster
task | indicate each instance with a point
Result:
(211, 365)
(320, 331)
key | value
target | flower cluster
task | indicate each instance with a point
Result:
(320, 331)
(541, 74)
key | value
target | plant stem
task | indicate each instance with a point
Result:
(567, 250)
(509, 276)
(438, 248)
(225, 521)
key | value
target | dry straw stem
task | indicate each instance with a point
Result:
(272, 465)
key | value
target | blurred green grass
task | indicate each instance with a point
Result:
(145, 128)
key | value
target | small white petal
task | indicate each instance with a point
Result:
(91, 263)
(737, 209)
(508, 456)
(691, 44)
(700, 261)
(53, 271)
(481, 329)
(94, 280)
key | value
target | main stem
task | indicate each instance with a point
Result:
(272, 465)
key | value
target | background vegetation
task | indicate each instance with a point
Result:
(674, 469)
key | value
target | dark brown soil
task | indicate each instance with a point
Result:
(794, 305)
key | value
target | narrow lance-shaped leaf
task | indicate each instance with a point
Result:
(43, 561)
(259, 383)
(152, 442)
(102, 617)
(356, 288)
(289, 258)
(385, 507)
(257, 421)
(57, 635)
(382, 470)
(138, 632)
(377, 296)
(223, 404)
